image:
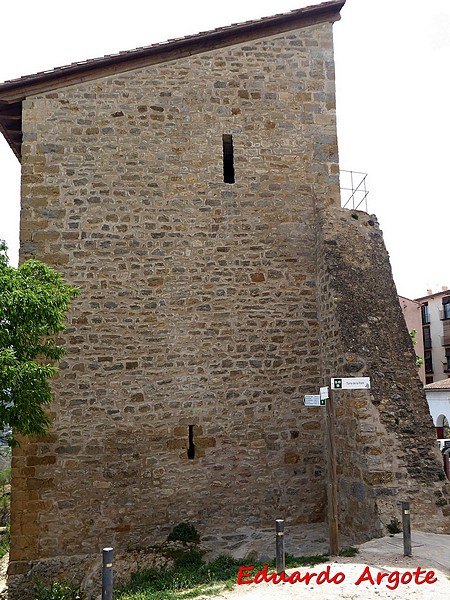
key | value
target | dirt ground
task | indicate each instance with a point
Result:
(364, 567)
(430, 561)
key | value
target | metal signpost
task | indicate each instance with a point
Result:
(326, 398)
(337, 383)
(333, 527)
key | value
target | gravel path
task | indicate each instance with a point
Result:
(374, 557)
(353, 569)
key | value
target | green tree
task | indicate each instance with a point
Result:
(5, 479)
(413, 336)
(34, 301)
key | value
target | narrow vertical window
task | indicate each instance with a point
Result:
(446, 308)
(191, 447)
(228, 160)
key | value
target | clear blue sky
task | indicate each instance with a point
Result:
(392, 60)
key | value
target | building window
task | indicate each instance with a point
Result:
(428, 379)
(428, 362)
(425, 313)
(447, 361)
(426, 338)
(445, 308)
(446, 332)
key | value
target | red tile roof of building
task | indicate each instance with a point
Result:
(444, 384)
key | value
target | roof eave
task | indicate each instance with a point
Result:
(13, 91)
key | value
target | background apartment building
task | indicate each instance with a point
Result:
(435, 309)
(433, 343)
(413, 317)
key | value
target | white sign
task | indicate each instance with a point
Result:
(324, 393)
(350, 383)
(313, 400)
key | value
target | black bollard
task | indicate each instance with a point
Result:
(280, 557)
(107, 574)
(406, 522)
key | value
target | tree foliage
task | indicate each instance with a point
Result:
(413, 336)
(34, 301)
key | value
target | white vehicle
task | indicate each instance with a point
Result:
(443, 443)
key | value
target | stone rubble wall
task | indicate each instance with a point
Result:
(198, 298)
(386, 440)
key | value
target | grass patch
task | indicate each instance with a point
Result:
(55, 590)
(190, 577)
(350, 551)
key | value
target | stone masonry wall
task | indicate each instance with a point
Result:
(197, 318)
(357, 514)
(385, 438)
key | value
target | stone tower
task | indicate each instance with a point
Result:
(191, 191)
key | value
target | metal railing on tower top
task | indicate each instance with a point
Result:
(353, 190)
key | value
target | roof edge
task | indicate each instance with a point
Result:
(442, 385)
(17, 90)
(435, 295)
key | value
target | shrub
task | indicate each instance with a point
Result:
(55, 590)
(184, 532)
(191, 558)
(394, 526)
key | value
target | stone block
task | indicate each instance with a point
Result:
(205, 442)
(175, 444)
(291, 458)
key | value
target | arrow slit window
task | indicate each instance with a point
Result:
(191, 447)
(228, 158)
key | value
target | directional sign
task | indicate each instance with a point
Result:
(324, 393)
(313, 400)
(350, 383)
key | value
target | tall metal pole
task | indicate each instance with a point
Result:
(332, 495)
(107, 574)
(280, 556)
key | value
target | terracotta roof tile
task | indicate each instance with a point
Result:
(444, 384)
